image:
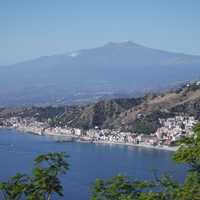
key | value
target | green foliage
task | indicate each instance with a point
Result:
(122, 188)
(45, 179)
(14, 188)
(119, 188)
(143, 126)
(43, 182)
(149, 123)
(189, 151)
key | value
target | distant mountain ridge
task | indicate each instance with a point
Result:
(91, 74)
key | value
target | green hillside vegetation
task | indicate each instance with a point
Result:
(140, 115)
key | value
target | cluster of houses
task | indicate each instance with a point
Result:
(170, 131)
(173, 129)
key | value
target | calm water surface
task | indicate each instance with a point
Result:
(87, 161)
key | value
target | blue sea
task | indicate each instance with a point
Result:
(87, 161)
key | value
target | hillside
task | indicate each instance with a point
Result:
(88, 75)
(135, 114)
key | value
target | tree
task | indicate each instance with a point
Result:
(189, 154)
(123, 188)
(189, 151)
(14, 188)
(43, 182)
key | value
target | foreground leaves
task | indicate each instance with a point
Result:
(42, 183)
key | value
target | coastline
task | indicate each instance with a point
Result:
(147, 146)
(72, 138)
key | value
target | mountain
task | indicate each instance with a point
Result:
(139, 115)
(115, 69)
(135, 114)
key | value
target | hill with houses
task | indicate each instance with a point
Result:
(139, 115)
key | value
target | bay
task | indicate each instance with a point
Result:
(87, 161)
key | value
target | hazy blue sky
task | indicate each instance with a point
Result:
(32, 28)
